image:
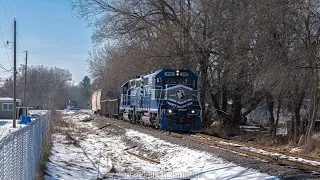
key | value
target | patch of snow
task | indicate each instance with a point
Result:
(8, 99)
(68, 161)
(38, 112)
(87, 111)
(106, 151)
(282, 130)
(190, 163)
(295, 150)
(67, 112)
(316, 136)
(82, 117)
(6, 127)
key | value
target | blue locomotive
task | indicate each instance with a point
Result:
(166, 99)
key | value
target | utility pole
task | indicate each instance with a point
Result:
(15, 75)
(25, 80)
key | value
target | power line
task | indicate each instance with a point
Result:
(9, 8)
(19, 38)
(4, 43)
(5, 73)
(3, 68)
(4, 9)
(10, 48)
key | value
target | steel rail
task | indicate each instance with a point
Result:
(144, 157)
(260, 147)
(270, 158)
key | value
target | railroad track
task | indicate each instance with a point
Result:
(260, 147)
(271, 155)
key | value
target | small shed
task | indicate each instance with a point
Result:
(6, 107)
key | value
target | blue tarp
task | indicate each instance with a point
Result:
(25, 119)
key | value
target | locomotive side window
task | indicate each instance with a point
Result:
(138, 83)
(145, 81)
(194, 84)
(159, 81)
(133, 84)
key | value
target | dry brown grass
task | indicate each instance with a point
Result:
(45, 151)
(220, 130)
(258, 137)
(311, 148)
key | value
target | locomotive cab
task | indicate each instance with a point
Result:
(178, 104)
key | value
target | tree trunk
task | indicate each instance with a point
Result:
(270, 103)
(203, 83)
(274, 133)
(235, 121)
(314, 106)
(296, 106)
(224, 99)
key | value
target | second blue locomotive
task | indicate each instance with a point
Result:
(167, 99)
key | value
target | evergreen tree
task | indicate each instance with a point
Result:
(85, 91)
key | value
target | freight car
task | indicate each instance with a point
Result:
(105, 102)
(166, 99)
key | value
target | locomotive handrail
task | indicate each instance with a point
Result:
(160, 97)
(200, 107)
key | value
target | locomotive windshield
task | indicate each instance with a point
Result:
(177, 80)
(182, 80)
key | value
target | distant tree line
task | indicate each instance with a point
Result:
(244, 52)
(48, 88)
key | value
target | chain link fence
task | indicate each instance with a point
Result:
(20, 150)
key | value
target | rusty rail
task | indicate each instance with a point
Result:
(270, 158)
(144, 158)
(260, 147)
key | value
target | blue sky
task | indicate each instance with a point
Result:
(51, 33)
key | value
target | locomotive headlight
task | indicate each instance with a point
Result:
(193, 111)
(177, 72)
(170, 111)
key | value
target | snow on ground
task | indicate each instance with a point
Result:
(193, 163)
(37, 112)
(282, 130)
(6, 125)
(104, 152)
